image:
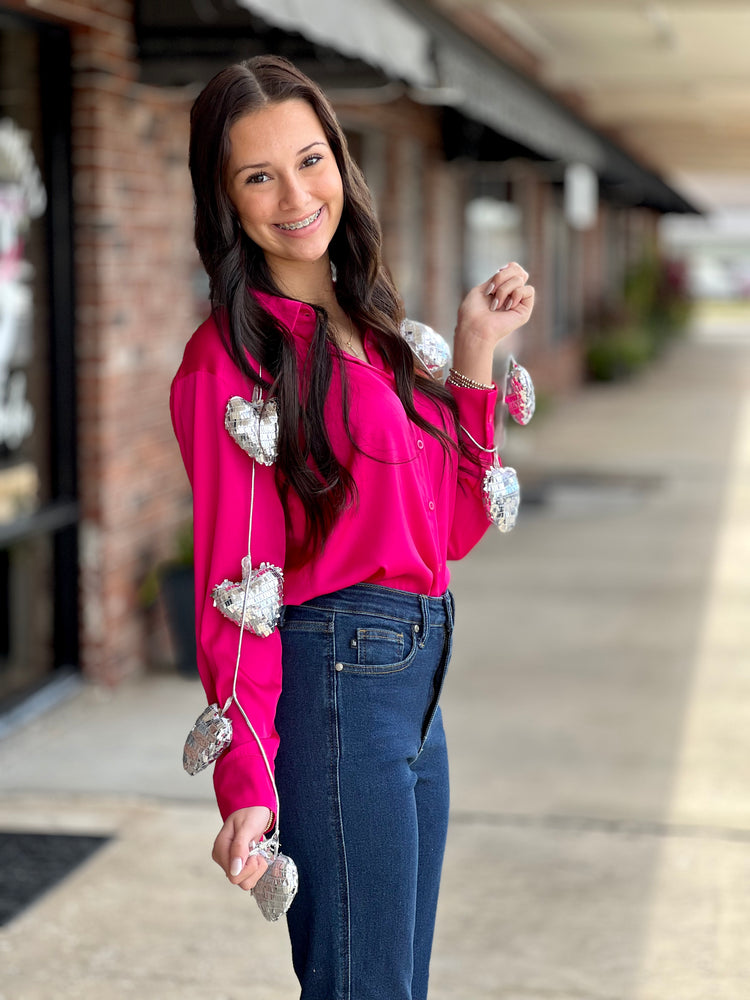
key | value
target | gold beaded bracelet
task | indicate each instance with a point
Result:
(458, 378)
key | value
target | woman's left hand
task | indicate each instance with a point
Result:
(233, 847)
(493, 310)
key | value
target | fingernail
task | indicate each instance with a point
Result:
(494, 305)
(509, 304)
(491, 289)
(502, 268)
(236, 867)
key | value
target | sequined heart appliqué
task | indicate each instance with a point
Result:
(265, 593)
(278, 885)
(254, 425)
(502, 495)
(207, 740)
(520, 396)
(430, 347)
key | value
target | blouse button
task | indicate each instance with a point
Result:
(420, 443)
(431, 505)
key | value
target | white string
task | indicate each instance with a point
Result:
(490, 451)
(273, 839)
(250, 520)
(493, 450)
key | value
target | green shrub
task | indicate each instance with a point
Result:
(618, 353)
(656, 297)
(655, 307)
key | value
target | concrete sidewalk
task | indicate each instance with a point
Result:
(598, 710)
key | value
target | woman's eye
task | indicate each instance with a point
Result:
(310, 161)
(258, 178)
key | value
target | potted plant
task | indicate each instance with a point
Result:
(173, 581)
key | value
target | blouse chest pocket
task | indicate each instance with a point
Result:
(379, 422)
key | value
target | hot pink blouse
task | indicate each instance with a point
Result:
(416, 509)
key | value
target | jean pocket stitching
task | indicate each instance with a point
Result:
(300, 625)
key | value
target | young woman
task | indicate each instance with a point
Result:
(376, 484)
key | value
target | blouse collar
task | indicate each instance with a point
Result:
(298, 317)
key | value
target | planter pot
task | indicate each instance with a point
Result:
(178, 593)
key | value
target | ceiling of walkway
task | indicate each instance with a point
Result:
(670, 80)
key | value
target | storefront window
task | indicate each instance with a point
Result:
(29, 525)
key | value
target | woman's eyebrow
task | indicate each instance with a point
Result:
(257, 166)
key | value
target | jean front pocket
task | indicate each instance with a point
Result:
(379, 645)
(367, 647)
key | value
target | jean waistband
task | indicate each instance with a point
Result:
(387, 602)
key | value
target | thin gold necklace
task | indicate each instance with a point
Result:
(348, 345)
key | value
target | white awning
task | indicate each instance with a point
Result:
(379, 32)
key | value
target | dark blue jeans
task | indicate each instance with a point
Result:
(362, 773)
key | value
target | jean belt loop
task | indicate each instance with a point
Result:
(448, 609)
(425, 626)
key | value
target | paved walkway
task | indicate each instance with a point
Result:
(598, 709)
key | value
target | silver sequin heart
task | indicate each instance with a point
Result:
(265, 592)
(520, 397)
(502, 495)
(207, 740)
(254, 425)
(277, 887)
(430, 347)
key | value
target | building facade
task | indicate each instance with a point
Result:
(100, 285)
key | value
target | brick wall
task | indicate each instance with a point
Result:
(135, 261)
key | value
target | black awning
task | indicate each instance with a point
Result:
(337, 43)
(484, 89)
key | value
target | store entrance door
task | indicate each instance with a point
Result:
(38, 509)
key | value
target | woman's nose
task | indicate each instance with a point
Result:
(294, 194)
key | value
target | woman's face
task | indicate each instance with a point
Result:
(284, 183)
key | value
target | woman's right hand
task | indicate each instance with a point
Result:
(241, 831)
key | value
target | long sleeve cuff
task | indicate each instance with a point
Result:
(241, 779)
(476, 409)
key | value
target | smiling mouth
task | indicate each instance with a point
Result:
(299, 225)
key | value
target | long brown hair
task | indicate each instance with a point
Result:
(236, 267)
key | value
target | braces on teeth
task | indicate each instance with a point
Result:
(299, 225)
